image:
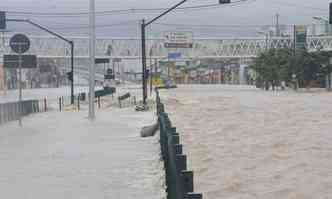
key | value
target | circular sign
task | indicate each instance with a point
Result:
(19, 43)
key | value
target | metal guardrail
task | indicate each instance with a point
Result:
(179, 181)
(11, 111)
(105, 92)
(64, 101)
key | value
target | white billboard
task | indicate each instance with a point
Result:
(178, 39)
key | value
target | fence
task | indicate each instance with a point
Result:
(179, 181)
(11, 111)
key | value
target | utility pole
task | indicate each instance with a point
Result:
(92, 47)
(20, 85)
(151, 71)
(155, 69)
(143, 25)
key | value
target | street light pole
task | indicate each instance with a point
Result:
(72, 99)
(143, 26)
(144, 85)
(143, 37)
(92, 47)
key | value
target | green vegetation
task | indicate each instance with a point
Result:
(301, 69)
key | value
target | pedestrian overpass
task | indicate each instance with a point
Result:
(130, 48)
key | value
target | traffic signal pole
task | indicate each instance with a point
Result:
(92, 52)
(144, 79)
(70, 42)
(143, 38)
(72, 98)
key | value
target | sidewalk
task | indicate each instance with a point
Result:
(63, 155)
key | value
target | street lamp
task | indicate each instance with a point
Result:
(143, 26)
(92, 47)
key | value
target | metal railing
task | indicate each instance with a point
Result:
(179, 181)
(12, 111)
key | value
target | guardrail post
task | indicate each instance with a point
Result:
(1, 113)
(78, 102)
(178, 149)
(45, 105)
(188, 181)
(181, 163)
(63, 102)
(60, 104)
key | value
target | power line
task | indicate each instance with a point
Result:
(86, 26)
(296, 5)
(219, 26)
(124, 11)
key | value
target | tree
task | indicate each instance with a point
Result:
(277, 65)
(272, 67)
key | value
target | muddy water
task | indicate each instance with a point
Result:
(247, 143)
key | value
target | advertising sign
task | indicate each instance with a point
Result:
(174, 56)
(301, 36)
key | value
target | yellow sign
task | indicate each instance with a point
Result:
(156, 81)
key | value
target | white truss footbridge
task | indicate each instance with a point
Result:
(129, 48)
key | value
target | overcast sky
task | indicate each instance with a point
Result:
(235, 19)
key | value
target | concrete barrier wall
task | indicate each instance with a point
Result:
(12, 111)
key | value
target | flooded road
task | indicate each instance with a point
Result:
(246, 143)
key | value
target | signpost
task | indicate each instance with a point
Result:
(178, 39)
(20, 43)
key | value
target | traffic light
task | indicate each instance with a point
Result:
(224, 1)
(147, 74)
(70, 76)
(2, 20)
